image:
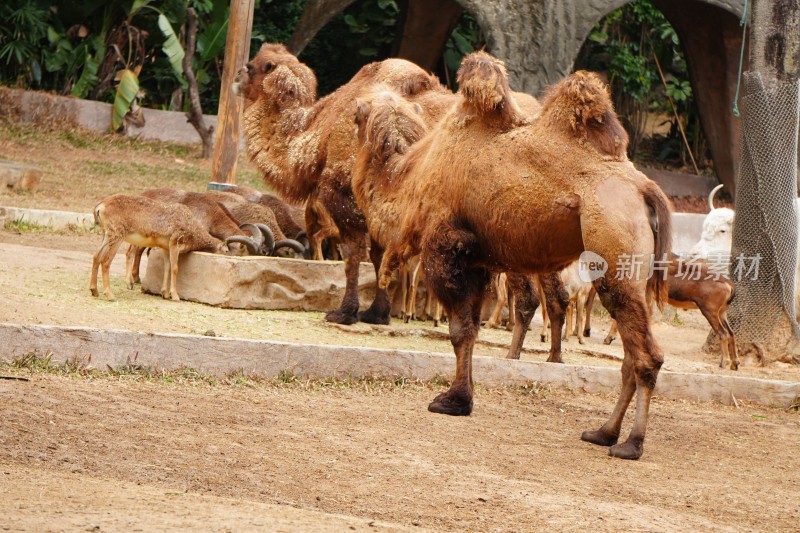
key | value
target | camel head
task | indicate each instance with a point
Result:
(387, 124)
(278, 77)
(580, 106)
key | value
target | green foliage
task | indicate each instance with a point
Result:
(625, 45)
(172, 47)
(371, 22)
(465, 39)
(127, 90)
(23, 28)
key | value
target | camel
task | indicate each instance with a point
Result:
(488, 190)
(305, 148)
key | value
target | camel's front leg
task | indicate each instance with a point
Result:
(354, 248)
(380, 310)
(461, 288)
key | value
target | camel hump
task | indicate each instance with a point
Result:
(581, 105)
(483, 82)
(388, 123)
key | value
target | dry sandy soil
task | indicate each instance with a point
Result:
(123, 453)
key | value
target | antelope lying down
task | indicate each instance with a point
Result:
(148, 223)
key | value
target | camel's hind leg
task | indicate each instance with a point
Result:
(461, 288)
(587, 328)
(380, 311)
(556, 301)
(643, 360)
(524, 294)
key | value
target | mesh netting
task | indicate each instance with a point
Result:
(764, 253)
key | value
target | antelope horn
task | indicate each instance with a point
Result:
(268, 245)
(712, 194)
(290, 243)
(254, 232)
(250, 244)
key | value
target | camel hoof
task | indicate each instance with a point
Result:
(599, 437)
(543, 338)
(608, 340)
(627, 450)
(587, 332)
(555, 358)
(94, 292)
(340, 317)
(370, 317)
(448, 405)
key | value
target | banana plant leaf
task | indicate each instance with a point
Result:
(172, 48)
(127, 90)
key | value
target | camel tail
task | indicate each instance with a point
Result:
(483, 82)
(580, 106)
(661, 224)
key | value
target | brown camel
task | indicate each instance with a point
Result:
(306, 148)
(487, 190)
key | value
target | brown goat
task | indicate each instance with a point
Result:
(290, 219)
(698, 288)
(212, 215)
(148, 223)
(488, 190)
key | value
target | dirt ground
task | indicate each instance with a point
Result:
(121, 453)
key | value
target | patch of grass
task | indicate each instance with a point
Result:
(132, 370)
(677, 320)
(533, 388)
(24, 226)
(77, 229)
(440, 382)
(795, 406)
(34, 363)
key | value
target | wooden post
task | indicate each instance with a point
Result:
(237, 52)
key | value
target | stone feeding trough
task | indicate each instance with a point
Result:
(255, 282)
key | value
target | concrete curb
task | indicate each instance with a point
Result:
(47, 218)
(267, 359)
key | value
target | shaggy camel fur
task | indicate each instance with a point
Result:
(487, 190)
(305, 147)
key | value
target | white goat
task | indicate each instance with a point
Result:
(717, 238)
(717, 230)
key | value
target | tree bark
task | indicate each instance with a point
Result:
(426, 27)
(195, 113)
(765, 225)
(315, 16)
(237, 51)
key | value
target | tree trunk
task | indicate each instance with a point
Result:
(426, 27)
(315, 16)
(765, 227)
(237, 50)
(195, 113)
